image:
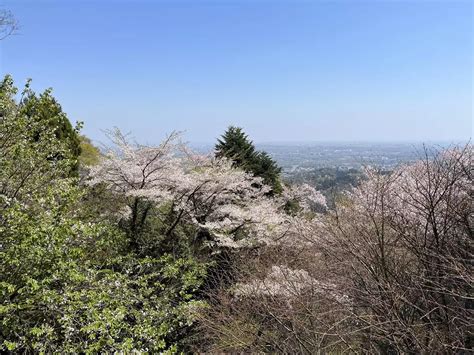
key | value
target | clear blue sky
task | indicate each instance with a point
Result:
(283, 70)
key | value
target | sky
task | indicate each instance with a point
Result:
(283, 70)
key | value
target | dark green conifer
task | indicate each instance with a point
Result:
(235, 145)
(45, 108)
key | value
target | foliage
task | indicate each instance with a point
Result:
(208, 193)
(69, 286)
(69, 280)
(327, 179)
(388, 271)
(31, 156)
(236, 146)
(160, 249)
(90, 154)
(45, 110)
(411, 278)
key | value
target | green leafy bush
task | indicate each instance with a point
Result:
(69, 281)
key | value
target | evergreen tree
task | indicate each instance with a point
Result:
(45, 109)
(69, 281)
(235, 145)
(265, 167)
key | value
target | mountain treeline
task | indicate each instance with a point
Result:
(140, 248)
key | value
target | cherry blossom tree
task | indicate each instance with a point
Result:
(401, 247)
(388, 271)
(205, 191)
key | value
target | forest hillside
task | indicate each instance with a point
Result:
(140, 248)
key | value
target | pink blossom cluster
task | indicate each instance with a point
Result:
(204, 190)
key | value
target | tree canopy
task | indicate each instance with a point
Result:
(236, 146)
(160, 249)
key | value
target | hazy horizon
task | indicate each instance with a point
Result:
(350, 142)
(284, 71)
